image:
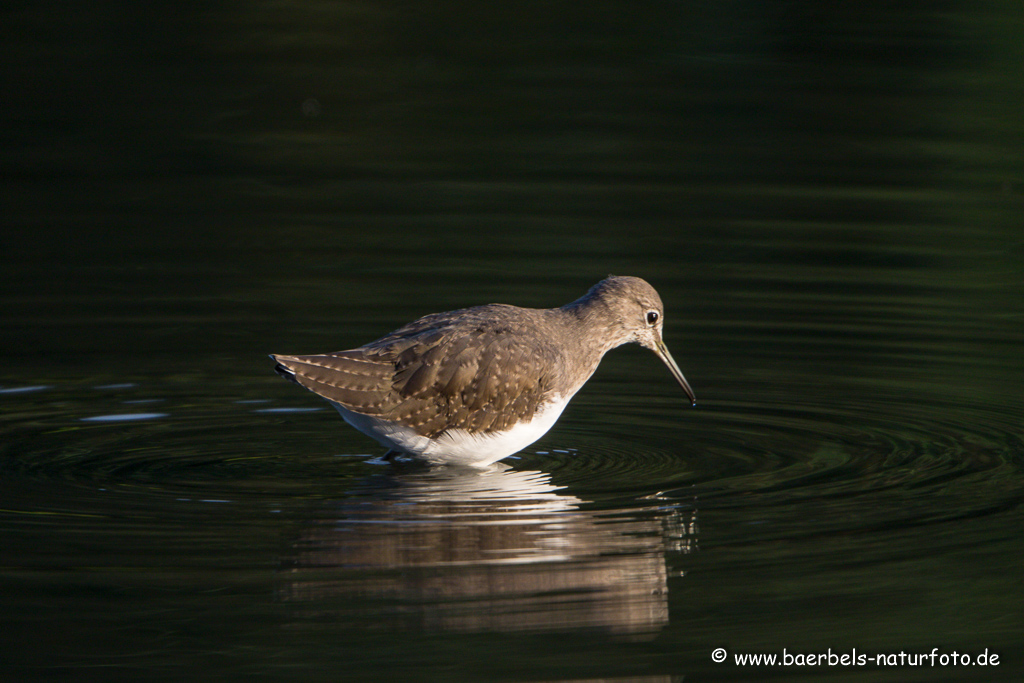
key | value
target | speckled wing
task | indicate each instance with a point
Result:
(470, 369)
(351, 378)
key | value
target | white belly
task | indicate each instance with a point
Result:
(457, 446)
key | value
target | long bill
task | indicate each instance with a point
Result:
(666, 358)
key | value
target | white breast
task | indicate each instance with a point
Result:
(457, 446)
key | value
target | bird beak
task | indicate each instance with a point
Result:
(666, 357)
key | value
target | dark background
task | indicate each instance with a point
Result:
(827, 195)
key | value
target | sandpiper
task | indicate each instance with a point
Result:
(476, 385)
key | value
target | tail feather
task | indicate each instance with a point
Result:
(345, 378)
(284, 370)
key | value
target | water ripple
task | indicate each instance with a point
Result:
(846, 464)
(865, 466)
(868, 461)
(124, 417)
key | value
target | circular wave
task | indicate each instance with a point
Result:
(178, 444)
(857, 463)
(918, 461)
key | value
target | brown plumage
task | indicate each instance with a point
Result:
(449, 385)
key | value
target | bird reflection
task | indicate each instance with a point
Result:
(491, 549)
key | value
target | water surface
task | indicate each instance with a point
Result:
(828, 204)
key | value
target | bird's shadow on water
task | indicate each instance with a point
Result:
(471, 550)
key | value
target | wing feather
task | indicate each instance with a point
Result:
(475, 370)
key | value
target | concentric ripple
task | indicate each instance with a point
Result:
(868, 462)
(177, 443)
(847, 464)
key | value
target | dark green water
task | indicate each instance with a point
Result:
(827, 197)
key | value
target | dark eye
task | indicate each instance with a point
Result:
(652, 317)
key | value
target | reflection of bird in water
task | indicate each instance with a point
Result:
(476, 385)
(479, 549)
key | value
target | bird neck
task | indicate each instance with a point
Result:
(596, 323)
(588, 331)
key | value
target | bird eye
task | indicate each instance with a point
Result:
(652, 317)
